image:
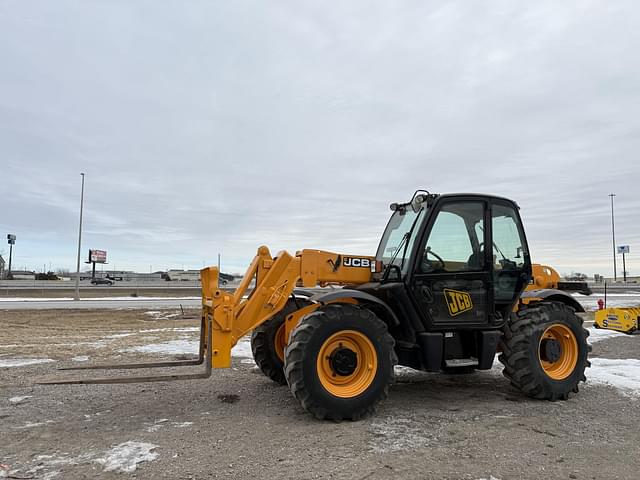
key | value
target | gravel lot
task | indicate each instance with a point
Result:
(238, 424)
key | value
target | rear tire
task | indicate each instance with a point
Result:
(266, 341)
(545, 350)
(339, 362)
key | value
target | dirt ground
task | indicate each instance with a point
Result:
(238, 424)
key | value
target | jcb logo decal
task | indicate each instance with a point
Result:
(357, 262)
(458, 302)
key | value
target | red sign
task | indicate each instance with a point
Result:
(98, 256)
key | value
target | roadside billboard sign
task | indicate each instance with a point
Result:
(623, 249)
(98, 256)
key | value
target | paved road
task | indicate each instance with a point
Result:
(102, 303)
(590, 302)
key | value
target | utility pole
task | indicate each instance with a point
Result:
(77, 295)
(613, 235)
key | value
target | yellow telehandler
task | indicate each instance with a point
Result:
(444, 292)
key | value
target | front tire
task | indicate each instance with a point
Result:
(545, 350)
(339, 362)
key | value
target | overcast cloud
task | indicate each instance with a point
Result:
(208, 127)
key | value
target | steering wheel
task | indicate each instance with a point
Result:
(428, 265)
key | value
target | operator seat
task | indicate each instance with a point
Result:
(476, 261)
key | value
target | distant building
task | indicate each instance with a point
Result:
(120, 275)
(127, 276)
(22, 275)
(183, 275)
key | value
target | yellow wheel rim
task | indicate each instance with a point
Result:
(563, 366)
(280, 342)
(356, 381)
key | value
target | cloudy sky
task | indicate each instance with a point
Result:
(213, 127)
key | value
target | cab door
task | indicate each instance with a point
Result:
(452, 281)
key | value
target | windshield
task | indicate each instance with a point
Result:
(396, 240)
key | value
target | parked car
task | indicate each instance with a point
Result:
(101, 281)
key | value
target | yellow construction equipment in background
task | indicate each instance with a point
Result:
(545, 285)
(622, 319)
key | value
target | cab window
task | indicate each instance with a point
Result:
(455, 243)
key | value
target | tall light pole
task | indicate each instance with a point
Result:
(613, 237)
(77, 295)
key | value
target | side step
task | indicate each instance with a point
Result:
(461, 362)
(205, 346)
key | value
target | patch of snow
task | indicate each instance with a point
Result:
(97, 344)
(623, 374)
(172, 347)
(597, 334)
(20, 362)
(17, 400)
(157, 425)
(409, 375)
(399, 433)
(125, 457)
(185, 346)
(33, 424)
(38, 470)
(170, 329)
(160, 315)
(80, 358)
(120, 335)
(401, 370)
(242, 348)
(50, 460)
(181, 424)
(50, 475)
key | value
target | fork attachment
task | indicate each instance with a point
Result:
(172, 363)
(205, 346)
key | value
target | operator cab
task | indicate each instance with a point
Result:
(436, 245)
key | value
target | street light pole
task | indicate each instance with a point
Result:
(613, 236)
(77, 295)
